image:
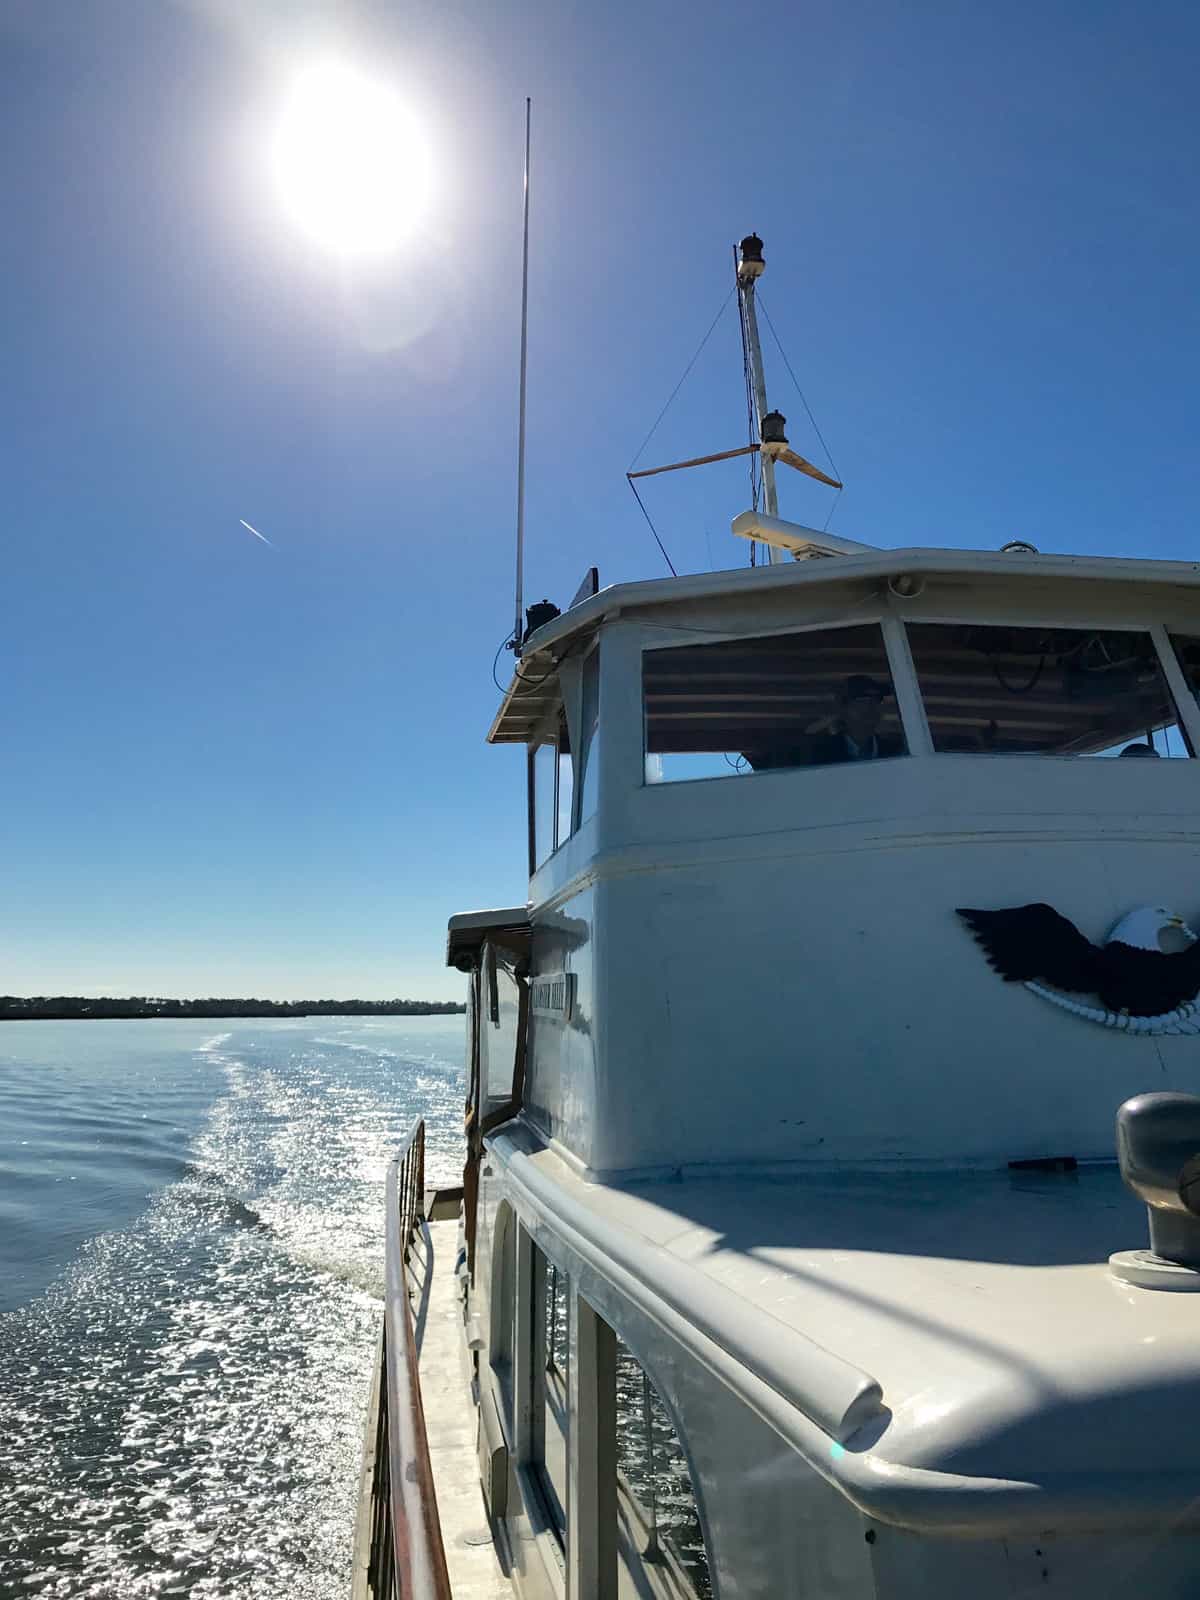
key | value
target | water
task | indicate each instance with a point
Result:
(191, 1268)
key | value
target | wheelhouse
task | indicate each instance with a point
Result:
(706, 859)
(740, 1000)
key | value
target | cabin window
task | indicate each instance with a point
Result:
(993, 690)
(657, 1514)
(564, 787)
(810, 699)
(498, 1044)
(552, 786)
(589, 737)
(472, 1021)
(545, 768)
(550, 1353)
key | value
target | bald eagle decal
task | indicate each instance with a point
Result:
(1142, 983)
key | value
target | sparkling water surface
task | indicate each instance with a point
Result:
(191, 1270)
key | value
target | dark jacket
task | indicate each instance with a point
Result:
(823, 750)
(829, 748)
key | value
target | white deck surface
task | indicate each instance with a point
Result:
(475, 1573)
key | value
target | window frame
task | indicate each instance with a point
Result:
(549, 736)
(895, 646)
(531, 1399)
(584, 1558)
(587, 744)
(1157, 632)
(1182, 693)
(910, 704)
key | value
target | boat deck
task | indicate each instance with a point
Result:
(475, 1572)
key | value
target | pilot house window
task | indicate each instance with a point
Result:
(751, 705)
(551, 783)
(1043, 691)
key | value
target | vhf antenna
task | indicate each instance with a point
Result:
(516, 640)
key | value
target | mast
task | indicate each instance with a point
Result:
(750, 267)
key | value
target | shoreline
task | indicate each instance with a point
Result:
(282, 1011)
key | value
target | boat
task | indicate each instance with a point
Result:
(830, 1220)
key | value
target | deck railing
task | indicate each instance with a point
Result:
(405, 1556)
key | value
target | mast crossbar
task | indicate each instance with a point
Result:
(696, 461)
(771, 452)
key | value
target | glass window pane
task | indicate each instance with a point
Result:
(545, 760)
(498, 1044)
(992, 690)
(589, 749)
(812, 699)
(565, 787)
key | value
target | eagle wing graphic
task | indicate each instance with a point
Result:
(1030, 943)
(1036, 944)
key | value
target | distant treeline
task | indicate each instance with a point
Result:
(65, 1008)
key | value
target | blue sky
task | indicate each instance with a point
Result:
(247, 770)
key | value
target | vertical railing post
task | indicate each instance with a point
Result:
(421, 1168)
(652, 1549)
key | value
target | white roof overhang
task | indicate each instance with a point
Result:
(466, 932)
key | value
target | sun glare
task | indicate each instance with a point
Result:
(351, 162)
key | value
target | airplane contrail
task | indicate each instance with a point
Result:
(255, 532)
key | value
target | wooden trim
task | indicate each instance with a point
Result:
(419, 1559)
(361, 1585)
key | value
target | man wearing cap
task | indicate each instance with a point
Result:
(856, 735)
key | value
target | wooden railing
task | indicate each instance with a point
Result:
(405, 1559)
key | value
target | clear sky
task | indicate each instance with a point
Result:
(238, 769)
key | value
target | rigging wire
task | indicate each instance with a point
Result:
(650, 525)
(829, 513)
(682, 381)
(799, 390)
(670, 400)
(808, 409)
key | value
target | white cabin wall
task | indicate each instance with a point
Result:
(798, 1001)
(737, 941)
(907, 1566)
(758, 929)
(568, 1086)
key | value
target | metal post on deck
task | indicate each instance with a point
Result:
(652, 1551)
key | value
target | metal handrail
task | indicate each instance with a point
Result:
(407, 1560)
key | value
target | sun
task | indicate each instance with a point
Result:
(351, 161)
